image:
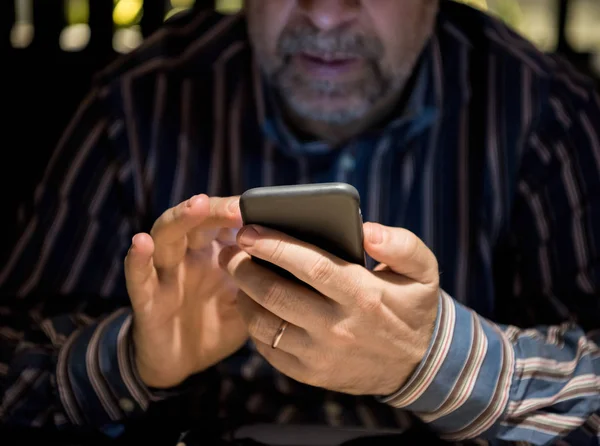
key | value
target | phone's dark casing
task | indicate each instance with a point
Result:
(326, 215)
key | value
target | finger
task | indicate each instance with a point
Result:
(170, 230)
(264, 325)
(176, 222)
(140, 275)
(223, 214)
(329, 275)
(402, 251)
(194, 219)
(227, 236)
(283, 361)
(197, 240)
(287, 300)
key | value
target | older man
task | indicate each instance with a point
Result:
(478, 163)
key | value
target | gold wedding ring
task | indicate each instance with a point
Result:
(279, 334)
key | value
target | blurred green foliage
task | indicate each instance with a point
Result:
(77, 11)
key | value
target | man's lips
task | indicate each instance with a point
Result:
(327, 65)
(329, 57)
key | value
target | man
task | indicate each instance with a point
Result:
(478, 163)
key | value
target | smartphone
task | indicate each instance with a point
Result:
(326, 215)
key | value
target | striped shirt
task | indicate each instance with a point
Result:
(494, 161)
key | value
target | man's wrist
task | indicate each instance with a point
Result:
(155, 387)
(95, 377)
(414, 360)
(437, 348)
(461, 387)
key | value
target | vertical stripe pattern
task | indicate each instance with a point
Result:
(498, 171)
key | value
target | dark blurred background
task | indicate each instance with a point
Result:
(52, 49)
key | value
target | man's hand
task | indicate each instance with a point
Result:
(185, 318)
(358, 332)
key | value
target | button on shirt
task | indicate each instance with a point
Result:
(493, 160)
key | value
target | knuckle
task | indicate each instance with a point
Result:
(274, 295)
(139, 274)
(169, 255)
(218, 205)
(321, 270)
(368, 302)
(328, 320)
(342, 337)
(354, 285)
(175, 213)
(345, 342)
(410, 244)
(165, 219)
(218, 208)
(277, 251)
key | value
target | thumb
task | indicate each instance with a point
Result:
(402, 251)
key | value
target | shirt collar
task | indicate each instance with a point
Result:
(413, 115)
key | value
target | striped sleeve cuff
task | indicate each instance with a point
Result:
(97, 380)
(461, 388)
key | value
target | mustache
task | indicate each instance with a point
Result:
(337, 43)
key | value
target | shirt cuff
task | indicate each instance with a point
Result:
(96, 375)
(461, 388)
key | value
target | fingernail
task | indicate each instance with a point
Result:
(247, 236)
(191, 201)
(376, 234)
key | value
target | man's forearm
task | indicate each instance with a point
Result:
(70, 372)
(480, 379)
(99, 382)
(556, 387)
(96, 377)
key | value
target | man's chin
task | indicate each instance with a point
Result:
(335, 110)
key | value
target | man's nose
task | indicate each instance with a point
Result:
(327, 15)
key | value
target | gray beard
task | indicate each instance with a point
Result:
(293, 90)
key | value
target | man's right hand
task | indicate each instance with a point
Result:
(185, 316)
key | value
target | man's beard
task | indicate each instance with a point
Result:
(299, 92)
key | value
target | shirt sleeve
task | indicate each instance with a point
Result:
(532, 383)
(65, 349)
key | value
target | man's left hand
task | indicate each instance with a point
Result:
(357, 331)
